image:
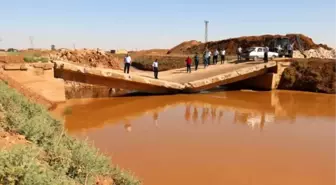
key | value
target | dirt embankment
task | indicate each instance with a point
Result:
(231, 45)
(92, 58)
(315, 75)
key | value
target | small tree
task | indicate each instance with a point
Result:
(53, 47)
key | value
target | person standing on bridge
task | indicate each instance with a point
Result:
(188, 62)
(127, 63)
(209, 57)
(196, 59)
(215, 57)
(266, 54)
(222, 56)
(290, 48)
(239, 52)
(156, 68)
(205, 59)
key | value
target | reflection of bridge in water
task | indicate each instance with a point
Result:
(255, 109)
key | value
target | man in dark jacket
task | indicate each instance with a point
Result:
(196, 59)
(266, 54)
(188, 62)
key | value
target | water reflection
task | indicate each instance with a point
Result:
(228, 138)
(156, 118)
(255, 110)
(127, 125)
(187, 112)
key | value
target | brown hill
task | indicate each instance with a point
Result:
(184, 47)
(231, 45)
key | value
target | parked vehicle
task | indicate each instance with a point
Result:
(280, 45)
(256, 53)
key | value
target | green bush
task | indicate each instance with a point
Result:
(63, 155)
(67, 111)
(21, 165)
(28, 59)
(32, 59)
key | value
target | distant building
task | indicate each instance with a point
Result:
(119, 51)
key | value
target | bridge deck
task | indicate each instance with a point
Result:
(172, 81)
(180, 75)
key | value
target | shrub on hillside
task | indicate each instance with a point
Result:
(32, 59)
(22, 165)
(62, 155)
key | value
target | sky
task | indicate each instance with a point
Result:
(146, 24)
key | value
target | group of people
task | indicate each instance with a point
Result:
(128, 62)
(207, 57)
(206, 60)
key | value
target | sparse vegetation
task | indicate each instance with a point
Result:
(53, 157)
(32, 59)
(165, 63)
(67, 111)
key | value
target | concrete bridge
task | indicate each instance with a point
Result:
(261, 75)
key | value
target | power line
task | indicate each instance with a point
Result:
(206, 31)
(31, 38)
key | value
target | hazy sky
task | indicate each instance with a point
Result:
(144, 24)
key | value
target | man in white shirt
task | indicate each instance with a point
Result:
(239, 52)
(215, 57)
(127, 63)
(156, 68)
(222, 56)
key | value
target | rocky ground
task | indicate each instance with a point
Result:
(88, 57)
(316, 53)
(315, 75)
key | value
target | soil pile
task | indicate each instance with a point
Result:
(92, 58)
(231, 45)
(315, 75)
(185, 47)
(316, 53)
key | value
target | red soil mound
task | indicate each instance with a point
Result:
(315, 75)
(232, 44)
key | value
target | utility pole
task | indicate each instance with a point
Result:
(31, 38)
(206, 31)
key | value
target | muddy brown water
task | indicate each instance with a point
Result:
(235, 137)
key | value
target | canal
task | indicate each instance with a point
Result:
(233, 137)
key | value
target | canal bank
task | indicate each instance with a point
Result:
(124, 116)
(35, 149)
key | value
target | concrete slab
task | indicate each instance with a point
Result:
(172, 81)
